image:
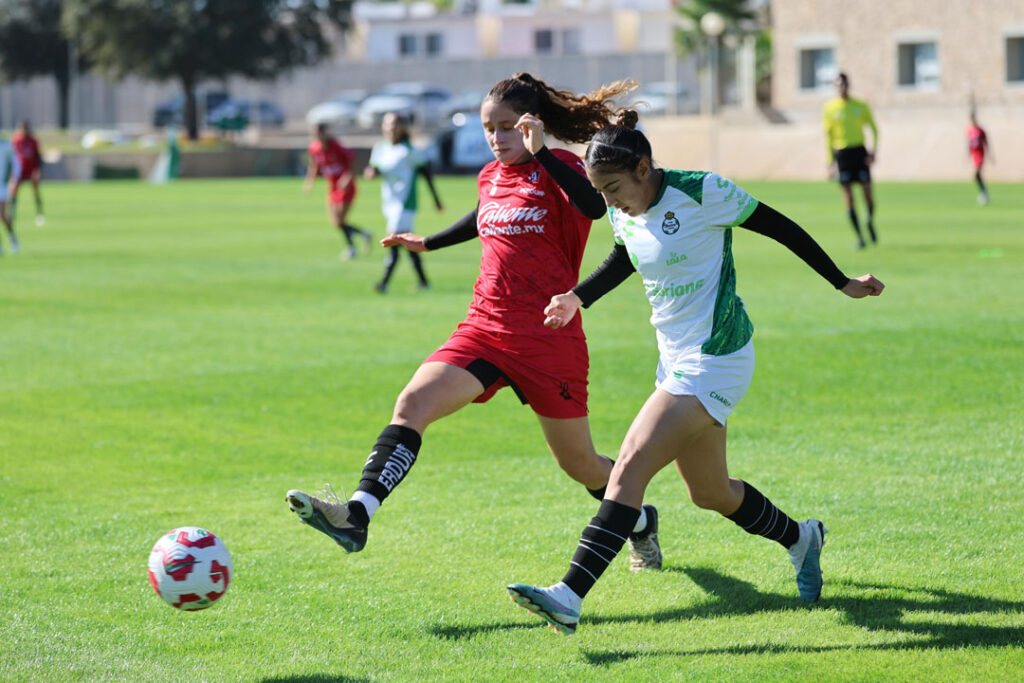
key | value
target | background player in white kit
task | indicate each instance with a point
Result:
(674, 228)
(398, 163)
(9, 168)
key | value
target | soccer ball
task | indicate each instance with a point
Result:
(190, 568)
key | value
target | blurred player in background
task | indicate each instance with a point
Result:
(27, 149)
(398, 163)
(844, 119)
(977, 146)
(9, 169)
(533, 216)
(332, 160)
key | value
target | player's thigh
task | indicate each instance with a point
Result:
(702, 465)
(661, 432)
(568, 438)
(435, 390)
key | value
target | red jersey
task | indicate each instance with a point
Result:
(532, 240)
(27, 149)
(976, 138)
(332, 160)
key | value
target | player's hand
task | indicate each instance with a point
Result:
(307, 186)
(410, 241)
(532, 129)
(865, 285)
(369, 172)
(870, 158)
(561, 310)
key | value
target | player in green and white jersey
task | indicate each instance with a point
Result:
(398, 163)
(675, 229)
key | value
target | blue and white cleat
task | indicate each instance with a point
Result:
(557, 604)
(806, 558)
(331, 518)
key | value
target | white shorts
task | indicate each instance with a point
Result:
(718, 382)
(399, 219)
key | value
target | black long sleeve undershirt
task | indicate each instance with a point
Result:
(764, 220)
(460, 231)
(768, 222)
(581, 193)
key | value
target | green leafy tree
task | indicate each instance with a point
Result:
(31, 44)
(689, 40)
(195, 40)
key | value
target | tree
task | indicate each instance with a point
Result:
(194, 40)
(736, 14)
(31, 44)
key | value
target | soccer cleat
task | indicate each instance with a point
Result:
(40, 220)
(332, 518)
(380, 287)
(644, 551)
(543, 603)
(806, 558)
(369, 242)
(15, 248)
(348, 253)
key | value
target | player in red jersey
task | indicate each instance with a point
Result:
(977, 146)
(533, 217)
(332, 160)
(27, 149)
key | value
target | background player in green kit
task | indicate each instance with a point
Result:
(844, 119)
(674, 228)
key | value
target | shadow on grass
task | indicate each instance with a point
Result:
(316, 678)
(875, 607)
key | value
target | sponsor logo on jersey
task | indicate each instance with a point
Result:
(672, 289)
(498, 219)
(674, 258)
(670, 225)
(531, 191)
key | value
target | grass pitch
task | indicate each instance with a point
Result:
(183, 355)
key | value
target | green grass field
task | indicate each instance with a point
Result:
(183, 355)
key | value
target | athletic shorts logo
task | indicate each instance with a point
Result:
(564, 391)
(670, 225)
(721, 399)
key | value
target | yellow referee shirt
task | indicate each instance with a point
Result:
(844, 122)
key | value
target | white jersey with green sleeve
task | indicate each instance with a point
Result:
(397, 164)
(682, 248)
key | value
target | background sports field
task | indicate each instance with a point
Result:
(183, 355)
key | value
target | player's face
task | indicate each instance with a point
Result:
(505, 141)
(842, 86)
(392, 128)
(628, 191)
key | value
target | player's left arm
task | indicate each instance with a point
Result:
(424, 170)
(768, 222)
(869, 119)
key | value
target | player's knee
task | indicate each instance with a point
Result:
(711, 499)
(413, 408)
(581, 464)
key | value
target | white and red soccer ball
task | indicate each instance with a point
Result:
(190, 568)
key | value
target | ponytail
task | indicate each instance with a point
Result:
(567, 116)
(619, 146)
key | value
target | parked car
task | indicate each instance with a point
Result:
(462, 145)
(237, 114)
(653, 99)
(339, 111)
(172, 112)
(426, 105)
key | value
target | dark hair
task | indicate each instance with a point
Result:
(566, 115)
(404, 121)
(619, 146)
(323, 127)
(841, 76)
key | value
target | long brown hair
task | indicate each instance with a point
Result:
(566, 115)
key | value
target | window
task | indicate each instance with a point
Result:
(1015, 60)
(919, 65)
(571, 41)
(407, 45)
(544, 41)
(435, 44)
(817, 68)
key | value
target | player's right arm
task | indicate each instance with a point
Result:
(460, 231)
(312, 169)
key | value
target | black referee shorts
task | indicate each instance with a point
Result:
(852, 164)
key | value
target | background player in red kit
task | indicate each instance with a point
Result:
(977, 145)
(533, 217)
(27, 149)
(332, 160)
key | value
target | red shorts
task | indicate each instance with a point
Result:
(978, 158)
(335, 195)
(548, 373)
(28, 171)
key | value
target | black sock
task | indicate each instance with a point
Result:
(856, 225)
(389, 265)
(757, 515)
(600, 543)
(390, 461)
(417, 263)
(598, 493)
(871, 223)
(346, 231)
(981, 183)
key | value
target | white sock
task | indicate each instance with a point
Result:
(565, 595)
(368, 501)
(641, 522)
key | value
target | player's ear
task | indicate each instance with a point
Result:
(643, 169)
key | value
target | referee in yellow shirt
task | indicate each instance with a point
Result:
(844, 119)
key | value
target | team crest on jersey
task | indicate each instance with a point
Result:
(670, 225)
(534, 176)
